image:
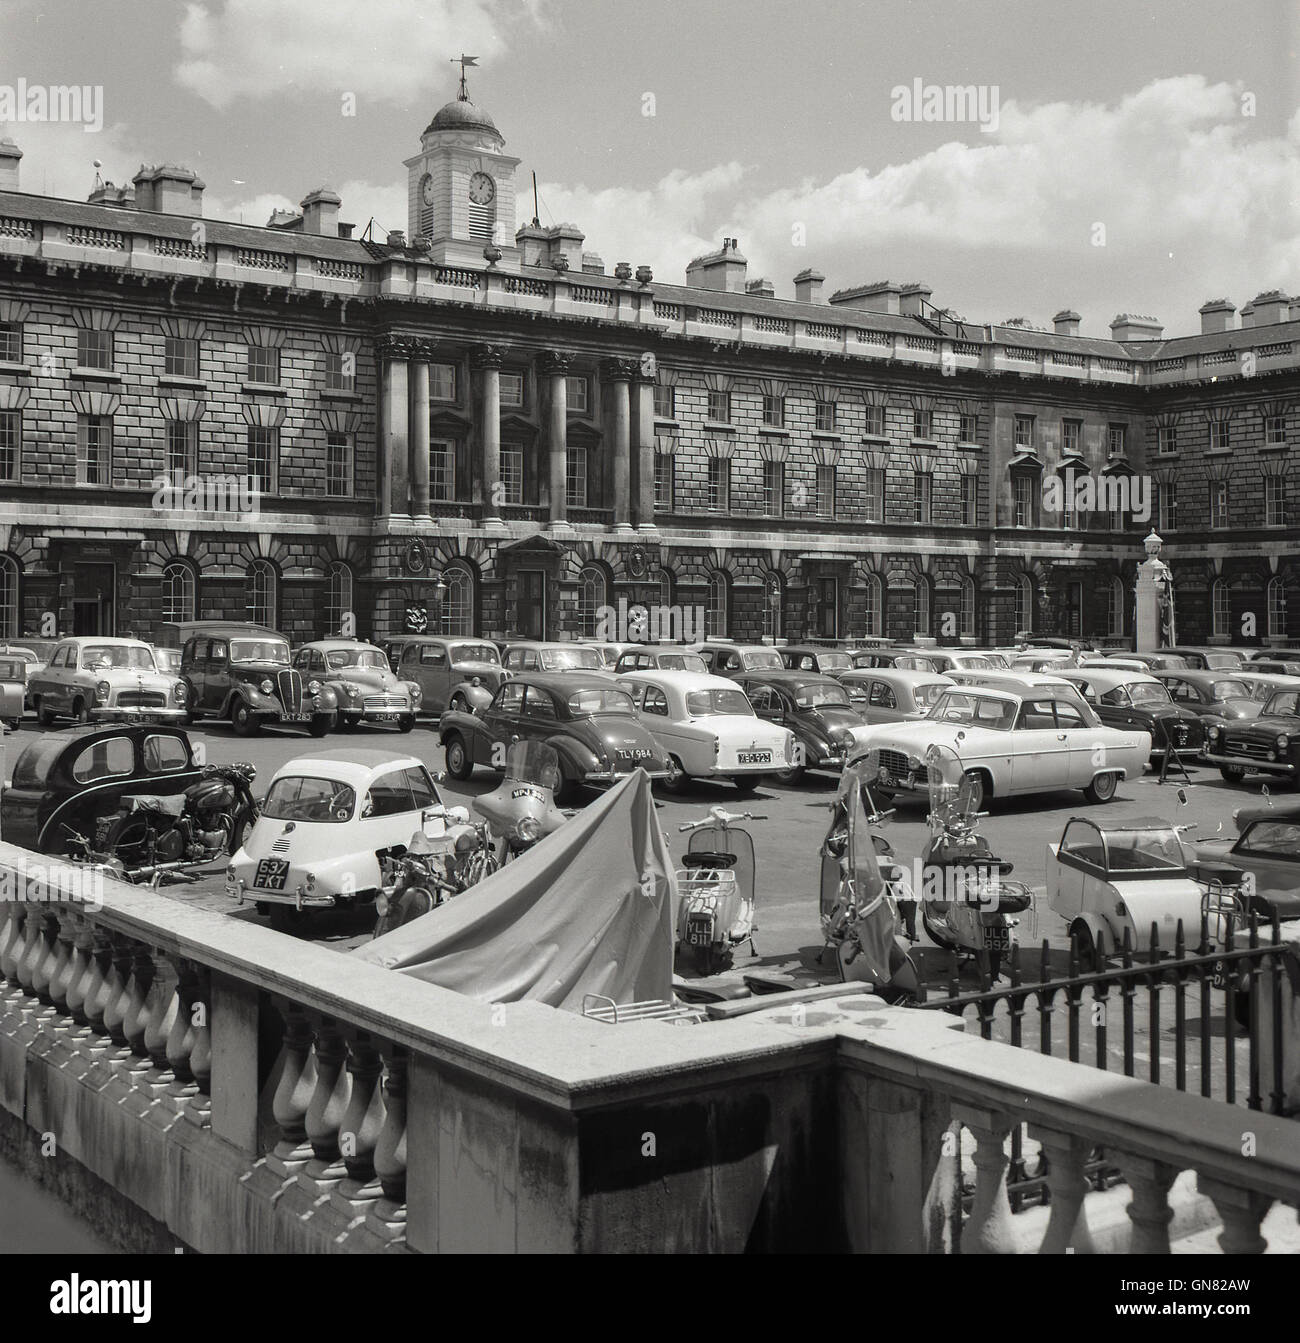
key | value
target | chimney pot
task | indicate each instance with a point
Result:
(1131, 326)
(722, 270)
(1271, 307)
(1217, 315)
(912, 298)
(1066, 322)
(883, 296)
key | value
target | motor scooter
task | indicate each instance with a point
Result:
(861, 888)
(966, 902)
(715, 885)
(523, 811)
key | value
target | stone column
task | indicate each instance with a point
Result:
(486, 361)
(618, 373)
(419, 420)
(643, 489)
(395, 417)
(554, 367)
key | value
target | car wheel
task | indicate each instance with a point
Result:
(791, 776)
(45, 717)
(1232, 773)
(244, 720)
(459, 704)
(676, 780)
(1102, 788)
(406, 722)
(746, 783)
(80, 714)
(567, 792)
(238, 834)
(459, 764)
(320, 725)
(1086, 948)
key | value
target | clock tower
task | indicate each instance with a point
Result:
(461, 187)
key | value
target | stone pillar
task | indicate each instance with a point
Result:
(486, 361)
(419, 421)
(618, 373)
(554, 368)
(1153, 615)
(395, 437)
(643, 488)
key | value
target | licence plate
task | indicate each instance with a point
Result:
(754, 758)
(383, 718)
(295, 718)
(698, 937)
(997, 939)
(271, 874)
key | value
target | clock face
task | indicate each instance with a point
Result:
(482, 189)
(426, 189)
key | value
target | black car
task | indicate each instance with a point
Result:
(815, 708)
(810, 658)
(1139, 703)
(585, 716)
(1269, 744)
(1267, 848)
(68, 786)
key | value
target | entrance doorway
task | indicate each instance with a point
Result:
(93, 587)
(530, 613)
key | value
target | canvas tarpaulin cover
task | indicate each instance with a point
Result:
(587, 910)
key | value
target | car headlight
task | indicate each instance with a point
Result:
(914, 763)
(842, 736)
(1282, 741)
(529, 828)
(415, 690)
(313, 688)
(103, 690)
(267, 686)
(1213, 732)
(178, 692)
(476, 680)
(350, 690)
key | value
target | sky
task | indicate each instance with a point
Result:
(1124, 157)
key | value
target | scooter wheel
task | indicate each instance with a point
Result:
(936, 935)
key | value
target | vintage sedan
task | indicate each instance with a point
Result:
(726, 658)
(1031, 739)
(358, 673)
(327, 823)
(453, 672)
(808, 657)
(240, 671)
(1268, 744)
(13, 689)
(531, 656)
(1264, 685)
(168, 659)
(1215, 697)
(589, 720)
(1206, 658)
(94, 678)
(1134, 700)
(815, 708)
(892, 694)
(661, 657)
(1277, 666)
(1155, 662)
(1267, 849)
(708, 728)
(68, 786)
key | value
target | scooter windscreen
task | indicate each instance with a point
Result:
(850, 869)
(533, 762)
(738, 843)
(951, 793)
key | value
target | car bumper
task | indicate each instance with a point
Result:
(298, 898)
(606, 777)
(134, 714)
(1286, 767)
(387, 715)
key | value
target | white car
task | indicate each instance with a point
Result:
(326, 824)
(1012, 740)
(92, 679)
(708, 728)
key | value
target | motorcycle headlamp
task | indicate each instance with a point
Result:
(530, 828)
(267, 686)
(103, 690)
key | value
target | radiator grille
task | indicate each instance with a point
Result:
(289, 683)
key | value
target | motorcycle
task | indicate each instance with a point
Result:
(715, 885)
(862, 887)
(160, 834)
(523, 811)
(447, 856)
(966, 902)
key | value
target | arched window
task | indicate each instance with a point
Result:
(1024, 604)
(1220, 608)
(8, 597)
(921, 607)
(259, 594)
(1115, 607)
(716, 613)
(178, 592)
(966, 608)
(874, 615)
(591, 597)
(457, 616)
(1276, 605)
(338, 602)
(773, 606)
(665, 589)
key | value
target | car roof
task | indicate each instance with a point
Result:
(1196, 675)
(189, 628)
(348, 765)
(328, 644)
(564, 683)
(681, 679)
(1105, 676)
(790, 679)
(968, 678)
(1278, 680)
(114, 641)
(898, 675)
(547, 644)
(745, 648)
(1279, 811)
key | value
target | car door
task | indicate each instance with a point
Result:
(427, 665)
(882, 703)
(1079, 859)
(216, 677)
(672, 735)
(50, 683)
(537, 719)
(388, 815)
(1039, 758)
(1081, 740)
(501, 722)
(1270, 850)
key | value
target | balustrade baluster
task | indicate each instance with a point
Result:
(49, 961)
(988, 1230)
(11, 941)
(1067, 1225)
(199, 1004)
(180, 1039)
(363, 1120)
(81, 975)
(1242, 1211)
(120, 996)
(164, 1004)
(329, 1102)
(293, 1092)
(33, 949)
(1149, 1211)
(106, 984)
(139, 1008)
(390, 1150)
(63, 964)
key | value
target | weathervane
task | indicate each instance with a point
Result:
(465, 63)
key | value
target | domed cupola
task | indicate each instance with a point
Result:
(462, 115)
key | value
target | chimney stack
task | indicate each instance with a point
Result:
(320, 212)
(1271, 307)
(169, 189)
(808, 286)
(1129, 326)
(1217, 315)
(1066, 322)
(763, 288)
(883, 296)
(9, 156)
(911, 297)
(721, 270)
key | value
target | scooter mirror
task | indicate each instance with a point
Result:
(867, 765)
(1263, 788)
(1182, 797)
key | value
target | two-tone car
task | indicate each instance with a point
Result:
(1012, 741)
(660, 657)
(452, 671)
(815, 708)
(587, 717)
(892, 694)
(535, 656)
(93, 678)
(366, 689)
(1137, 702)
(708, 728)
(1267, 849)
(1268, 744)
(724, 657)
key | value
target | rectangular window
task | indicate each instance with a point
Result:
(826, 491)
(182, 449)
(340, 371)
(264, 365)
(922, 484)
(1274, 501)
(180, 357)
(774, 489)
(11, 343)
(968, 430)
(1220, 436)
(1115, 440)
(512, 474)
(774, 411)
(1274, 430)
(665, 481)
(575, 477)
(261, 459)
(512, 390)
(970, 495)
(665, 401)
(94, 450)
(923, 424)
(720, 407)
(95, 350)
(1218, 503)
(719, 484)
(11, 438)
(1166, 440)
(875, 494)
(1022, 496)
(575, 393)
(826, 416)
(442, 382)
(442, 470)
(338, 465)
(1072, 437)
(1167, 506)
(1025, 432)
(875, 425)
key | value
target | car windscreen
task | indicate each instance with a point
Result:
(835, 662)
(928, 692)
(475, 653)
(1144, 851)
(975, 711)
(1230, 690)
(763, 659)
(259, 650)
(117, 657)
(13, 669)
(1222, 661)
(304, 798)
(1144, 692)
(691, 662)
(701, 702)
(822, 697)
(371, 659)
(601, 702)
(1284, 703)
(570, 659)
(974, 661)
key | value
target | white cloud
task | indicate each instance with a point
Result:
(254, 49)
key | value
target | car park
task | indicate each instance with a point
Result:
(958, 659)
(1267, 849)
(31, 662)
(708, 728)
(240, 671)
(724, 658)
(1012, 741)
(551, 657)
(452, 671)
(366, 690)
(662, 657)
(815, 708)
(1138, 702)
(892, 694)
(587, 717)
(1268, 744)
(91, 678)
(1215, 697)
(13, 689)
(609, 652)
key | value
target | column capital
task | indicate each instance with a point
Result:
(619, 370)
(486, 357)
(554, 363)
(395, 347)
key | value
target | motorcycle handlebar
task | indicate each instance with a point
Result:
(718, 816)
